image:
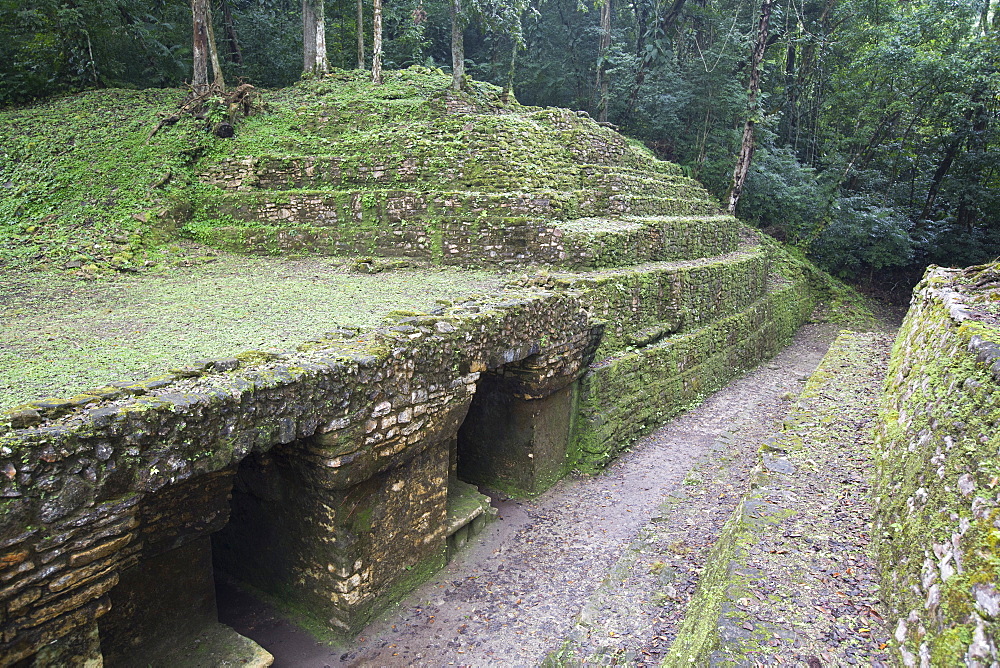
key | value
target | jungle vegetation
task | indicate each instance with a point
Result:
(868, 130)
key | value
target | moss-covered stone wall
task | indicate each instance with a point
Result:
(650, 302)
(446, 227)
(337, 453)
(938, 448)
(350, 410)
(625, 396)
(454, 178)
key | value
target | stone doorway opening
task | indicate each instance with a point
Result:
(510, 441)
(163, 609)
(509, 445)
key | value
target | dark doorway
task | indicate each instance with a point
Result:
(511, 444)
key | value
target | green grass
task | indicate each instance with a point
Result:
(77, 176)
(60, 335)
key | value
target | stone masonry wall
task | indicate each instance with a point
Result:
(76, 471)
(447, 227)
(626, 396)
(465, 172)
(643, 307)
(339, 447)
(938, 505)
(601, 243)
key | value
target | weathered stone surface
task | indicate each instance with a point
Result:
(627, 395)
(937, 443)
(341, 449)
(103, 550)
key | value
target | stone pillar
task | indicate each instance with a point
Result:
(80, 648)
(338, 555)
(163, 608)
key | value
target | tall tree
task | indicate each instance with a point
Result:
(199, 52)
(213, 56)
(377, 41)
(457, 45)
(502, 19)
(360, 23)
(602, 62)
(314, 55)
(742, 168)
(203, 50)
(233, 51)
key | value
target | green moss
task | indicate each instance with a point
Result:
(631, 393)
(62, 335)
(936, 425)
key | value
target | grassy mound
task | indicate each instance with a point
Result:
(84, 186)
(81, 184)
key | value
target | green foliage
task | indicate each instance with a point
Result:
(862, 234)
(871, 109)
(49, 46)
(783, 197)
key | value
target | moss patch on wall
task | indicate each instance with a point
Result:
(626, 396)
(938, 443)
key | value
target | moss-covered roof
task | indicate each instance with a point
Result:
(60, 335)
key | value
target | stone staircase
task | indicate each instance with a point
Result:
(451, 179)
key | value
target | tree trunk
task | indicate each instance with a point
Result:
(508, 85)
(791, 96)
(945, 164)
(361, 34)
(457, 46)
(314, 58)
(377, 42)
(602, 79)
(200, 19)
(233, 51)
(753, 88)
(664, 26)
(213, 55)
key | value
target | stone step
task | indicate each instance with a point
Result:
(626, 241)
(647, 303)
(469, 512)
(626, 395)
(413, 124)
(791, 580)
(466, 228)
(467, 171)
(215, 645)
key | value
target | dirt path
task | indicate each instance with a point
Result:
(793, 581)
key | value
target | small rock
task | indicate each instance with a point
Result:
(24, 418)
(966, 484)
(987, 599)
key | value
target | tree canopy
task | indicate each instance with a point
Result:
(875, 122)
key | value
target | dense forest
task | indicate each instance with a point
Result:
(873, 124)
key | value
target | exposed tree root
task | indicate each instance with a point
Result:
(242, 99)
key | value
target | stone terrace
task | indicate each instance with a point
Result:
(329, 475)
